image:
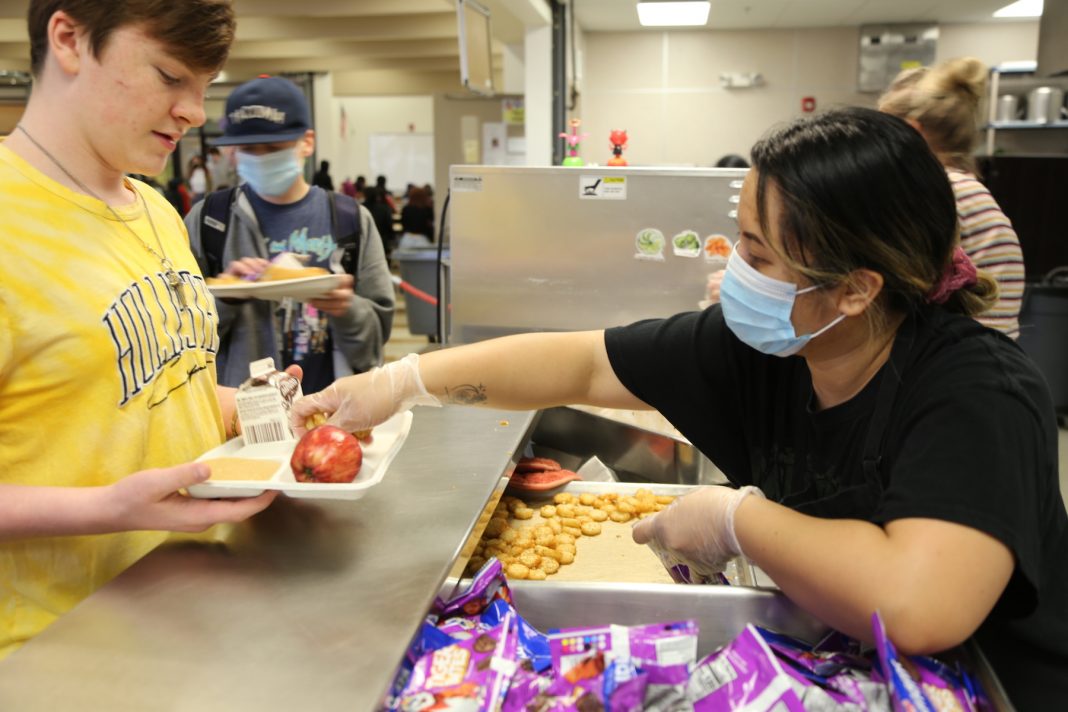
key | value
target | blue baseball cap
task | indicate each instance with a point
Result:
(265, 110)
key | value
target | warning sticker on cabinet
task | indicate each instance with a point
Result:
(603, 187)
(467, 184)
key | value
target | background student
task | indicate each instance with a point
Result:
(275, 210)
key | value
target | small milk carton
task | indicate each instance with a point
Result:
(263, 403)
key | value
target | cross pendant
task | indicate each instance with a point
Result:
(177, 287)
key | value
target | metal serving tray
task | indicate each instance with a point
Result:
(722, 612)
(665, 466)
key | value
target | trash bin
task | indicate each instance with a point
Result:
(1044, 332)
(419, 268)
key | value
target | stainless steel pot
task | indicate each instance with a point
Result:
(1045, 104)
(1008, 107)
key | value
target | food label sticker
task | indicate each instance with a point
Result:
(603, 187)
(717, 250)
(686, 244)
(467, 184)
(649, 245)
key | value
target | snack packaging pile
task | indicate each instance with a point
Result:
(476, 652)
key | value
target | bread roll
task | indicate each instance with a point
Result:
(224, 279)
(275, 273)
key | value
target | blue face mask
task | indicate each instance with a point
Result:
(270, 174)
(757, 309)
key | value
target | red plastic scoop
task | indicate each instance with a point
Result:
(535, 474)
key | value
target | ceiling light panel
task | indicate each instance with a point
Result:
(690, 13)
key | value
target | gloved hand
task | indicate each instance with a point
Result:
(363, 401)
(696, 530)
(712, 286)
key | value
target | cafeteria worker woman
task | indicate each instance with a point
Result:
(888, 452)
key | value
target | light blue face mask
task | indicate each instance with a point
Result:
(757, 309)
(270, 174)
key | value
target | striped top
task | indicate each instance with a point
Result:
(987, 237)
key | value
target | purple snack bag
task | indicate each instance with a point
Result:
(584, 695)
(942, 685)
(472, 675)
(860, 687)
(579, 652)
(527, 686)
(533, 644)
(683, 571)
(744, 673)
(461, 628)
(664, 652)
(817, 665)
(427, 640)
(905, 693)
(488, 584)
(628, 696)
(661, 644)
(624, 685)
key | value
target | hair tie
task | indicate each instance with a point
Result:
(959, 273)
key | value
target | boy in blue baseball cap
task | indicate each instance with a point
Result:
(276, 212)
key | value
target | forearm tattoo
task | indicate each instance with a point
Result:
(466, 395)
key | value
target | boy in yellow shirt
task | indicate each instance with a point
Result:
(107, 334)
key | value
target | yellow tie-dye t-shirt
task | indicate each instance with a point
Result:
(102, 374)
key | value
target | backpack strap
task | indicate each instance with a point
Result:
(345, 227)
(214, 221)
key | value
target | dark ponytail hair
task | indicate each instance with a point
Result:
(861, 189)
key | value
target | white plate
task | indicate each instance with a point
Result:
(387, 442)
(303, 288)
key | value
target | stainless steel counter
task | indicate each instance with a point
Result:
(312, 607)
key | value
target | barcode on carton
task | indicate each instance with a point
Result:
(269, 431)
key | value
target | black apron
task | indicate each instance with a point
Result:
(860, 500)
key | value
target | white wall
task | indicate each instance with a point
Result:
(993, 43)
(349, 155)
(663, 87)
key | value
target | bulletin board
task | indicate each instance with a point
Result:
(402, 158)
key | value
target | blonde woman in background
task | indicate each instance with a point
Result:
(942, 103)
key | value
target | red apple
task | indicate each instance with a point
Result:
(326, 454)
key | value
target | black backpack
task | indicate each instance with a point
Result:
(215, 219)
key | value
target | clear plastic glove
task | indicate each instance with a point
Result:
(696, 530)
(363, 401)
(712, 286)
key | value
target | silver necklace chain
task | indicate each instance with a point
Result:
(173, 280)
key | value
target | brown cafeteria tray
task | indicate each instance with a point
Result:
(612, 555)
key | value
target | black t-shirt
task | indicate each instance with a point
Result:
(418, 220)
(304, 333)
(971, 438)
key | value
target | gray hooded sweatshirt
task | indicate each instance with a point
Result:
(247, 328)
